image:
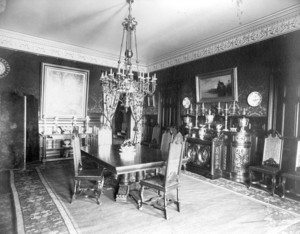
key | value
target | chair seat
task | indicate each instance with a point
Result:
(265, 169)
(157, 182)
(90, 174)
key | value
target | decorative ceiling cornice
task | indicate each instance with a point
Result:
(275, 25)
(22, 42)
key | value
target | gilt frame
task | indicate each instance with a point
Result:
(64, 91)
(218, 86)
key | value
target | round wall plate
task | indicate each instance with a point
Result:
(254, 98)
(186, 102)
(4, 68)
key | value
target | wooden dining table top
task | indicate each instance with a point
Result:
(122, 162)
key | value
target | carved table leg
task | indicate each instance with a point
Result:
(123, 190)
(129, 186)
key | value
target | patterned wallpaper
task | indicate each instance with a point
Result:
(256, 64)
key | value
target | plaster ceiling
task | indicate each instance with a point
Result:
(165, 27)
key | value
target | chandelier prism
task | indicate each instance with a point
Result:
(124, 82)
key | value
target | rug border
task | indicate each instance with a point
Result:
(70, 223)
(17, 205)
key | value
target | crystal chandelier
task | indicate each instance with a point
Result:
(124, 82)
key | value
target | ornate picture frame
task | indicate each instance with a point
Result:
(64, 91)
(219, 86)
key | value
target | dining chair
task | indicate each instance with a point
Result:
(271, 163)
(81, 174)
(105, 135)
(178, 138)
(166, 139)
(167, 182)
(155, 138)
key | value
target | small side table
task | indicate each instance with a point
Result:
(293, 176)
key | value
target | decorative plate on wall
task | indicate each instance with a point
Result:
(254, 99)
(4, 68)
(186, 102)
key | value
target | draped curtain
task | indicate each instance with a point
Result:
(136, 105)
(110, 103)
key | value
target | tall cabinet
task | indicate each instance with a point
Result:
(18, 130)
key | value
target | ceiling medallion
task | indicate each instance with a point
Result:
(4, 68)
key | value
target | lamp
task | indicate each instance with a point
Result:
(124, 82)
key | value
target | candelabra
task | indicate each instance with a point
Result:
(233, 110)
(229, 110)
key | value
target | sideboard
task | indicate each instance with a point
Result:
(227, 155)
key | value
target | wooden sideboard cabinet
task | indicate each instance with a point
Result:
(53, 147)
(228, 155)
(204, 157)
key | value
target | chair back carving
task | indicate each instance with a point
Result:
(76, 153)
(166, 139)
(173, 131)
(173, 167)
(178, 138)
(272, 154)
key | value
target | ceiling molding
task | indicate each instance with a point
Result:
(26, 43)
(277, 24)
(266, 28)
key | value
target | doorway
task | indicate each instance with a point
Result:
(121, 123)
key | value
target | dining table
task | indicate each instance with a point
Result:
(128, 163)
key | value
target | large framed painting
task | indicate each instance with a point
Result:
(64, 91)
(219, 86)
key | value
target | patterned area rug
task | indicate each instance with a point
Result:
(37, 208)
(254, 193)
(41, 208)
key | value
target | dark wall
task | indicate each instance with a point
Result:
(24, 79)
(255, 64)
(25, 75)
